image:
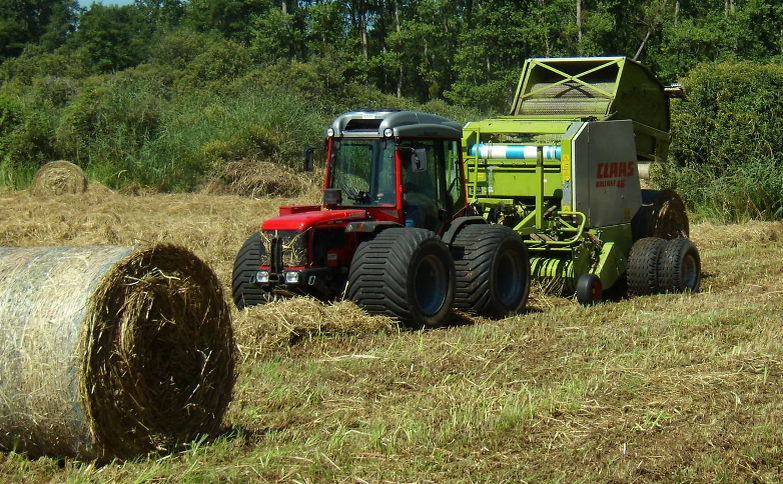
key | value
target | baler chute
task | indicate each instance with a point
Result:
(563, 171)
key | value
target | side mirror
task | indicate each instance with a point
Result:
(333, 197)
(415, 159)
(308, 158)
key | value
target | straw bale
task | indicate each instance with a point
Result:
(59, 177)
(284, 322)
(256, 179)
(110, 352)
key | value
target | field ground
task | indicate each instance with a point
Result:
(660, 388)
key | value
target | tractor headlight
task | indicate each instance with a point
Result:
(330, 132)
(388, 132)
(292, 277)
(262, 277)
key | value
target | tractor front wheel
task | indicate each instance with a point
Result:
(492, 269)
(244, 288)
(406, 273)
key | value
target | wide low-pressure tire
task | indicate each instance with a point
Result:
(492, 270)
(406, 273)
(679, 267)
(643, 266)
(243, 287)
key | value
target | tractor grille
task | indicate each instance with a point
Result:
(293, 246)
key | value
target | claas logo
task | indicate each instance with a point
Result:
(620, 169)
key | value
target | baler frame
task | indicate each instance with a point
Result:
(535, 195)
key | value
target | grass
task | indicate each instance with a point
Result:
(661, 388)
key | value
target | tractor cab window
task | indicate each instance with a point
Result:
(363, 170)
(454, 186)
(424, 192)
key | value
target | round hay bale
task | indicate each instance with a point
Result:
(257, 179)
(110, 352)
(59, 177)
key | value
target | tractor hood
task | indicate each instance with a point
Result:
(305, 220)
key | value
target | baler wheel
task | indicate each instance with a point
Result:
(679, 268)
(244, 289)
(492, 269)
(589, 290)
(406, 273)
(643, 266)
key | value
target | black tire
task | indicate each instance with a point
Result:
(406, 273)
(492, 270)
(679, 268)
(589, 290)
(643, 266)
(243, 287)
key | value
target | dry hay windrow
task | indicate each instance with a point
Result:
(110, 352)
(284, 322)
(256, 179)
(58, 178)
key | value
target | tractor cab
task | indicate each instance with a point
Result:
(401, 166)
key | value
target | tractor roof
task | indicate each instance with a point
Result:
(369, 123)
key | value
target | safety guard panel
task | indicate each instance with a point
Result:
(605, 179)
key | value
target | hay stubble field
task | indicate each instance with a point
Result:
(660, 388)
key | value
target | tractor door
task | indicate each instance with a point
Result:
(432, 191)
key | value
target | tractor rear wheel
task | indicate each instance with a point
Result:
(679, 268)
(406, 273)
(243, 279)
(492, 270)
(643, 266)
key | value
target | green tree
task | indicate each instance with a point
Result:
(229, 17)
(112, 37)
(24, 22)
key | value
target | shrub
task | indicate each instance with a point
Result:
(727, 144)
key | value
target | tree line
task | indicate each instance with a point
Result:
(464, 51)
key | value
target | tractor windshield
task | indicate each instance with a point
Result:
(363, 169)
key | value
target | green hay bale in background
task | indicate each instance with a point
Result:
(110, 352)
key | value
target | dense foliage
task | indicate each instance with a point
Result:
(163, 92)
(728, 141)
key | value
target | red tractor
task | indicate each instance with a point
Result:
(394, 233)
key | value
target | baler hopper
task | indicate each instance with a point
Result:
(563, 171)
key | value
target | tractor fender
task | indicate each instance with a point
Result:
(456, 226)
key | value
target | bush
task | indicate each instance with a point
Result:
(728, 141)
(26, 133)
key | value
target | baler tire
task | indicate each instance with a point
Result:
(492, 270)
(243, 287)
(589, 290)
(643, 266)
(679, 268)
(406, 273)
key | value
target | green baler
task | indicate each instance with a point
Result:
(563, 171)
